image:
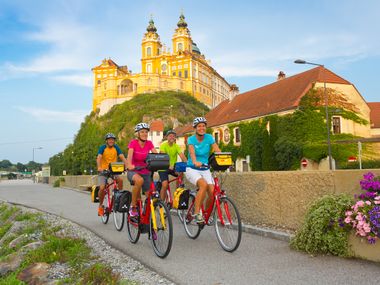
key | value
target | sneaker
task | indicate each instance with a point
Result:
(133, 212)
(199, 219)
(154, 235)
(100, 211)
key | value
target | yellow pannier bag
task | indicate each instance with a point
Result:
(181, 198)
(94, 194)
(220, 160)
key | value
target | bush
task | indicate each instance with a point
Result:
(57, 183)
(322, 231)
(99, 274)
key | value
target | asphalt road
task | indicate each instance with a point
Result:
(258, 260)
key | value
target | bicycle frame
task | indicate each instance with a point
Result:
(109, 194)
(179, 180)
(218, 193)
(148, 208)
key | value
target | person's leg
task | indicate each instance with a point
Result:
(119, 183)
(210, 195)
(164, 177)
(202, 186)
(101, 194)
(136, 189)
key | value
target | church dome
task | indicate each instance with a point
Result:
(151, 27)
(182, 23)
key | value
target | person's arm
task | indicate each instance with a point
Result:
(130, 166)
(183, 157)
(193, 156)
(154, 150)
(123, 159)
(215, 147)
(99, 162)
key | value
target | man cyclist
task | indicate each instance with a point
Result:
(173, 150)
(138, 150)
(107, 153)
(200, 145)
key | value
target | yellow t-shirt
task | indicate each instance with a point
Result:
(109, 154)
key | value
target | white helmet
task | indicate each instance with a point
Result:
(199, 120)
(142, 126)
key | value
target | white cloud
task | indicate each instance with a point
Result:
(46, 115)
(83, 79)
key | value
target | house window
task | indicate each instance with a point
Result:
(148, 51)
(149, 68)
(157, 133)
(174, 73)
(99, 82)
(216, 136)
(186, 74)
(336, 125)
(237, 138)
(180, 73)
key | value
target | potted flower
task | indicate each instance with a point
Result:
(364, 218)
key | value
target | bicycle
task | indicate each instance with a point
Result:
(180, 168)
(154, 218)
(108, 201)
(222, 213)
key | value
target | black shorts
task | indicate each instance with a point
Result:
(146, 177)
(164, 174)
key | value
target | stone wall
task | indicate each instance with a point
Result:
(273, 198)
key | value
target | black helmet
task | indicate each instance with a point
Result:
(110, 136)
(171, 132)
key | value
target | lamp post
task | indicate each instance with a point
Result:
(300, 61)
(34, 149)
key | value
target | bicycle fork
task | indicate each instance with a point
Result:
(162, 216)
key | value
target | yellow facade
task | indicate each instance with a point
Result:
(185, 69)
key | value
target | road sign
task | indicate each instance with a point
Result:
(352, 159)
(304, 162)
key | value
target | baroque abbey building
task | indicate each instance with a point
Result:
(184, 69)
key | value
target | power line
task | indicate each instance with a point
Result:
(36, 141)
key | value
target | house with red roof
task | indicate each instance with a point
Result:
(283, 97)
(156, 133)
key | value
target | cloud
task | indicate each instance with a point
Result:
(82, 79)
(46, 115)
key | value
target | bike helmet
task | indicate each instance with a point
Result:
(141, 126)
(199, 120)
(171, 132)
(110, 136)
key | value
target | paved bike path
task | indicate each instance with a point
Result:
(258, 260)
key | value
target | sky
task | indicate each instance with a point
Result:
(47, 50)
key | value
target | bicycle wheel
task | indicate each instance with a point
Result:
(133, 229)
(229, 234)
(180, 214)
(106, 214)
(162, 238)
(192, 229)
(118, 219)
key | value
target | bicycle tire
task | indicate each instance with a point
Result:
(106, 214)
(228, 235)
(192, 229)
(133, 229)
(162, 239)
(118, 219)
(180, 215)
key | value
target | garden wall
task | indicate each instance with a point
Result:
(278, 198)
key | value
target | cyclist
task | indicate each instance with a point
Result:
(107, 153)
(138, 150)
(200, 145)
(173, 150)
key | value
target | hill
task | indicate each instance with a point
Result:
(173, 108)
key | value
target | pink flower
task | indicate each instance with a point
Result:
(348, 213)
(347, 220)
(360, 203)
(368, 203)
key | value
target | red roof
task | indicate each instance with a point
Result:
(375, 114)
(282, 95)
(279, 96)
(157, 126)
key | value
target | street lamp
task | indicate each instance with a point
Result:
(34, 149)
(300, 61)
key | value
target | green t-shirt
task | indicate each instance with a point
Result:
(173, 151)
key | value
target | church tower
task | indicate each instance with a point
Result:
(151, 48)
(181, 39)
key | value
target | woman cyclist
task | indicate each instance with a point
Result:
(200, 145)
(138, 150)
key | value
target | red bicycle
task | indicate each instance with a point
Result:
(154, 218)
(222, 213)
(108, 201)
